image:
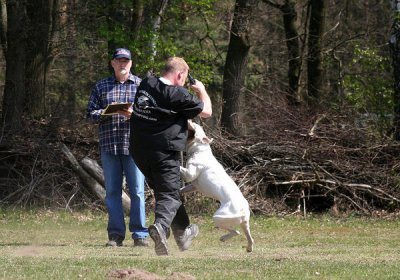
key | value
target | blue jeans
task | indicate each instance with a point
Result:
(114, 167)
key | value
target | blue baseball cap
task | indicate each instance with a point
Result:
(122, 53)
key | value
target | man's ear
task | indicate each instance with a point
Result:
(180, 77)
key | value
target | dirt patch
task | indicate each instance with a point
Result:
(29, 251)
(139, 274)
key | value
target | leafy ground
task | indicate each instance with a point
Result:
(64, 245)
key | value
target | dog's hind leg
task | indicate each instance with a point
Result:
(250, 241)
(229, 235)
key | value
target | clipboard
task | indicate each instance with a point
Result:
(112, 109)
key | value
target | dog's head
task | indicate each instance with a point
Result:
(196, 134)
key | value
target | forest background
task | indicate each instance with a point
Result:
(306, 95)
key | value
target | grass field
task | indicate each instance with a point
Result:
(63, 245)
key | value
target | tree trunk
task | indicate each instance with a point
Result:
(137, 17)
(29, 23)
(42, 20)
(153, 24)
(314, 58)
(235, 66)
(3, 26)
(293, 46)
(288, 9)
(112, 19)
(70, 109)
(395, 52)
(14, 90)
(156, 27)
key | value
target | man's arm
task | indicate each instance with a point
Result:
(93, 110)
(202, 94)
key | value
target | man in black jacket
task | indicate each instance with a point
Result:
(161, 109)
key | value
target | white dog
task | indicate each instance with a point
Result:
(208, 176)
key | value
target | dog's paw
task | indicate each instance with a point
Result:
(249, 247)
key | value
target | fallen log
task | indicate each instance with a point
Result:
(94, 169)
(89, 181)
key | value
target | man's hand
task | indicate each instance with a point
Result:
(202, 94)
(198, 87)
(126, 113)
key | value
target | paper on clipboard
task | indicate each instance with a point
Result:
(113, 108)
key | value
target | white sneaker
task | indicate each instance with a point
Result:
(184, 238)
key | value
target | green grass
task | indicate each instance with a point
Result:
(61, 245)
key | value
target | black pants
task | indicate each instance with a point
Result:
(161, 169)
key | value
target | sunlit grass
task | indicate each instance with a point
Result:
(63, 245)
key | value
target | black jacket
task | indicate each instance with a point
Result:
(160, 114)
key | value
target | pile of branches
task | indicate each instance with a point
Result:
(35, 173)
(319, 163)
(284, 165)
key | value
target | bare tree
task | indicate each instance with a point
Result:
(34, 23)
(235, 65)
(137, 17)
(3, 26)
(71, 31)
(43, 17)
(395, 48)
(14, 90)
(314, 58)
(289, 13)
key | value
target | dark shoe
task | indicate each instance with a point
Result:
(184, 238)
(157, 233)
(140, 242)
(115, 241)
